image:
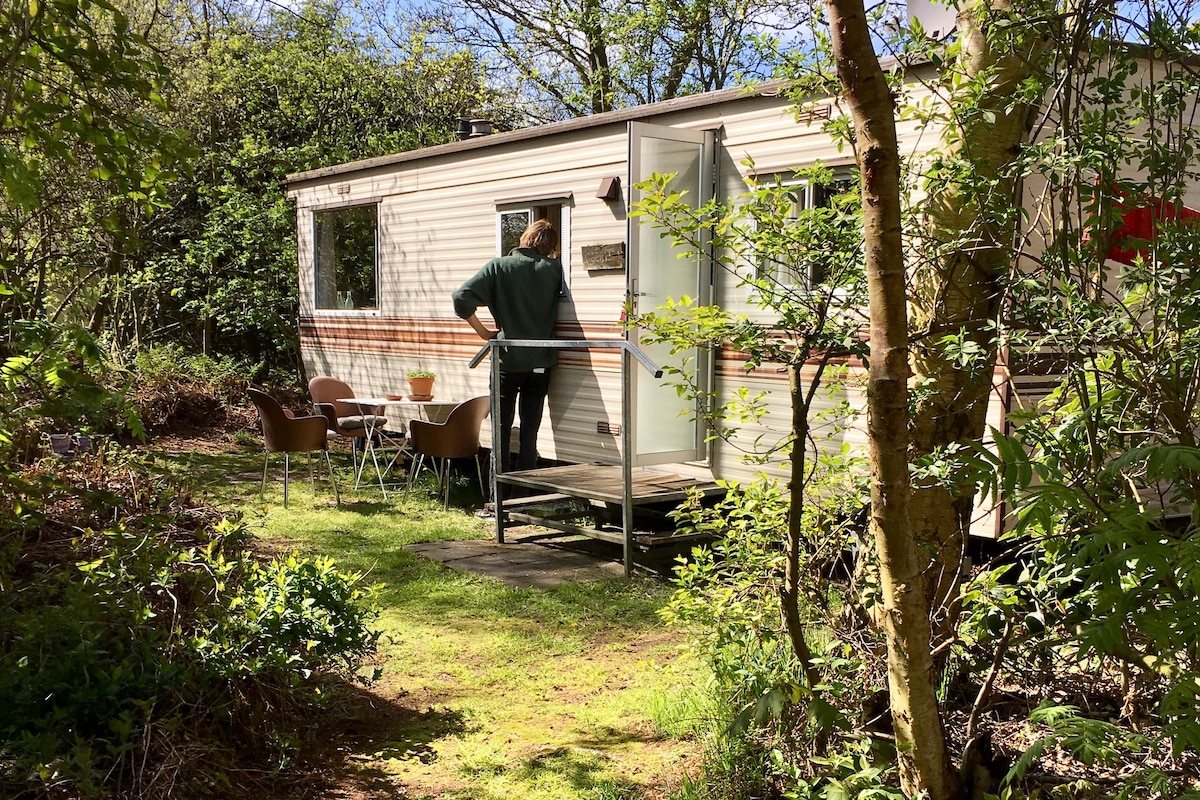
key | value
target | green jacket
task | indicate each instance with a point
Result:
(521, 290)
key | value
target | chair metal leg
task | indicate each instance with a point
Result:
(262, 487)
(375, 462)
(398, 458)
(446, 469)
(412, 473)
(332, 478)
(479, 472)
(362, 464)
(286, 469)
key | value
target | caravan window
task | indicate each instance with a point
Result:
(512, 223)
(512, 216)
(346, 258)
(803, 195)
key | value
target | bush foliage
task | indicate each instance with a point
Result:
(144, 649)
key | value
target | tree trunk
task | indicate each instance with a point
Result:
(969, 227)
(600, 87)
(912, 680)
(789, 601)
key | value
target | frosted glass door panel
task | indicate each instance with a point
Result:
(665, 426)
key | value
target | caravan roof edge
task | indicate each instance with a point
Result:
(762, 90)
(768, 89)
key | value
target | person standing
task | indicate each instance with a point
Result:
(521, 290)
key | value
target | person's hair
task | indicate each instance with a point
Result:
(541, 236)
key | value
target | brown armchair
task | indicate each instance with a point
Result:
(287, 434)
(344, 419)
(457, 437)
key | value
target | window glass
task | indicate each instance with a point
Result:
(346, 253)
(801, 197)
(512, 223)
(793, 197)
(513, 219)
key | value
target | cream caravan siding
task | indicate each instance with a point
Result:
(767, 142)
(437, 226)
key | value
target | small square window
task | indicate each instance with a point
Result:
(512, 225)
(512, 217)
(346, 257)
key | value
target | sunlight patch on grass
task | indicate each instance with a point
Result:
(575, 704)
(526, 694)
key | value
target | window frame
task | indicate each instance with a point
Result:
(314, 211)
(534, 209)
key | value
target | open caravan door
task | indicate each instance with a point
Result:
(665, 427)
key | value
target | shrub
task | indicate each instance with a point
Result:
(169, 386)
(49, 382)
(774, 726)
(125, 645)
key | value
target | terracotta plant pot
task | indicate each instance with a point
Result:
(420, 388)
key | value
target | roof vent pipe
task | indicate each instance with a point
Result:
(462, 127)
(480, 127)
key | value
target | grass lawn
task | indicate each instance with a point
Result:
(486, 691)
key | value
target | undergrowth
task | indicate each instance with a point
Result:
(146, 652)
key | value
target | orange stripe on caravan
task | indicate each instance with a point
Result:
(451, 338)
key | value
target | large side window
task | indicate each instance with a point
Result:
(513, 216)
(346, 241)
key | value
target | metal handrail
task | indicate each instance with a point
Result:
(628, 350)
(571, 344)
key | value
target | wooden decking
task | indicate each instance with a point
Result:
(596, 484)
(603, 482)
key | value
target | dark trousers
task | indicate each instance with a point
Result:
(525, 391)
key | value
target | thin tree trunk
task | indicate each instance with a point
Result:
(789, 601)
(912, 679)
(601, 87)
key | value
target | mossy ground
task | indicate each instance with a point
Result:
(485, 690)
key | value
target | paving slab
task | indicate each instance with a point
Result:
(521, 564)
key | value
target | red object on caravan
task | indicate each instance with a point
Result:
(1140, 224)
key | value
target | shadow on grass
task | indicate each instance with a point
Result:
(608, 736)
(583, 769)
(218, 471)
(237, 472)
(361, 729)
(390, 730)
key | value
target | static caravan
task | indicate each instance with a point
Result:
(419, 223)
(384, 242)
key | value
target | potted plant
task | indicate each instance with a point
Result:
(420, 384)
